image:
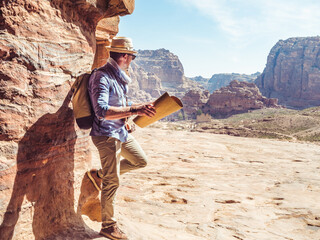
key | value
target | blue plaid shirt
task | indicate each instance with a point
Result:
(108, 86)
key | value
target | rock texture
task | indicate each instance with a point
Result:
(145, 85)
(194, 101)
(237, 97)
(158, 71)
(43, 156)
(164, 64)
(223, 79)
(292, 73)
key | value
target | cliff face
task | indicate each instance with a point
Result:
(194, 100)
(44, 45)
(292, 73)
(158, 71)
(145, 85)
(164, 64)
(221, 80)
(237, 97)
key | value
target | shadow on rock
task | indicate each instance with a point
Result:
(45, 177)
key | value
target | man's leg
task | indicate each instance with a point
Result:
(109, 150)
(134, 156)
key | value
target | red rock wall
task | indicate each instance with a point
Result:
(44, 45)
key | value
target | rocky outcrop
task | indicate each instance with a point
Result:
(194, 101)
(164, 64)
(145, 86)
(292, 73)
(237, 97)
(158, 71)
(44, 45)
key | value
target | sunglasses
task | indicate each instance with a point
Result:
(133, 56)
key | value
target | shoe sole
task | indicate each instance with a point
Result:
(93, 181)
(112, 237)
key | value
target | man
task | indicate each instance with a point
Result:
(108, 88)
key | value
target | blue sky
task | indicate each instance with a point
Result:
(219, 36)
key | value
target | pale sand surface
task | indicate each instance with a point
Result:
(205, 186)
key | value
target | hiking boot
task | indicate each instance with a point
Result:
(113, 233)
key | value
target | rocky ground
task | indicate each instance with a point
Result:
(208, 186)
(271, 123)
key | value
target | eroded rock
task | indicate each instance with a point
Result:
(237, 97)
(292, 73)
(44, 45)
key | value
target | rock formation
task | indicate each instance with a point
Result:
(164, 64)
(194, 101)
(237, 97)
(292, 73)
(223, 79)
(44, 45)
(145, 86)
(158, 71)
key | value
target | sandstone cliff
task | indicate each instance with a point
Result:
(194, 101)
(145, 86)
(44, 45)
(158, 71)
(237, 97)
(292, 73)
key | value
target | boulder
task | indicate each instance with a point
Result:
(237, 97)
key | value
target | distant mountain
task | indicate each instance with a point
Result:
(220, 80)
(203, 81)
(292, 72)
(157, 71)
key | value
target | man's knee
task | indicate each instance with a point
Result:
(110, 183)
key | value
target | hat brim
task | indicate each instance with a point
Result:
(120, 50)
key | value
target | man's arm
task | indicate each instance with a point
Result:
(137, 109)
(99, 95)
(139, 104)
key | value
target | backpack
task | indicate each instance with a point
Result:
(81, 103)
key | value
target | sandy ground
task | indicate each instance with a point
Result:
(205, 186)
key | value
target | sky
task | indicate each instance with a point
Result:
(219, 36)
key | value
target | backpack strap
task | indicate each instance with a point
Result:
(78, 81)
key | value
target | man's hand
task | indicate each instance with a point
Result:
(144, 110)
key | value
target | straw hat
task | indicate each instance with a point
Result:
(121, 45)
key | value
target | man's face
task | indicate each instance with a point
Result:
(128, 59)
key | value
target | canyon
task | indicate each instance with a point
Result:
(157, 71)
(44, 45)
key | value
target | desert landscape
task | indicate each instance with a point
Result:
(241, 160)
(210, 186)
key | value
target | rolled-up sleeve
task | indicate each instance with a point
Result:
(98, 87)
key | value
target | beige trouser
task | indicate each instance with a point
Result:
(110, 149)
